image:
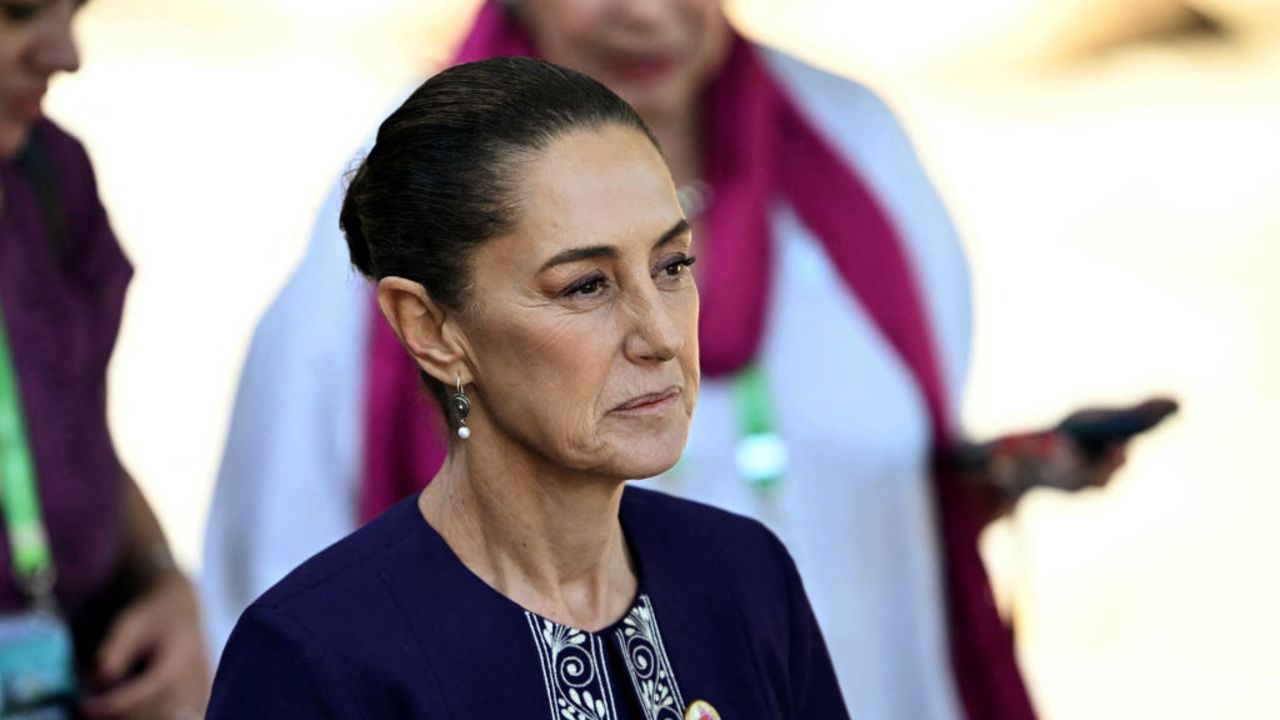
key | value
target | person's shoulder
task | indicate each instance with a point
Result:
(866, 131)
(658, 503)
(691, 528)
(817, 85)
(58, 141)
(333, 633)
(688, 543)
(343, 577)
(66, 159)
(846, 110)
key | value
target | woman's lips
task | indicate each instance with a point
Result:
(651, 403)
(638, 69)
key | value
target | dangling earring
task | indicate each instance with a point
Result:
(462, 406)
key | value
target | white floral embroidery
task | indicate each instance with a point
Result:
(573, 671)
(648, 664)
(577, 681)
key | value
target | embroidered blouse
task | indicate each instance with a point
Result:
(389, 623)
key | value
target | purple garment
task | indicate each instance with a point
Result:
(388, 623)
(62, 285)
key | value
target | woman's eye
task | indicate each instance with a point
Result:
(678, 266)
(587, 288)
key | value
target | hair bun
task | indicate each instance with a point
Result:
(351, 225)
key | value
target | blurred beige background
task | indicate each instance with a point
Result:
(1115, 170)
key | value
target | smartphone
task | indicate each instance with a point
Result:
(1095, 431)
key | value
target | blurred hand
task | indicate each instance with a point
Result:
(1067, 466)
(1084, 450)
(160, 633)
(1095, 440)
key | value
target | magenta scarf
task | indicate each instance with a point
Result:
(759, 149)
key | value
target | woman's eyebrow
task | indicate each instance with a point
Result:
(680, 228)
(580, 253)
(610, 251)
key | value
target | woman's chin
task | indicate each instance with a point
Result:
(645, 455)
(13, 135)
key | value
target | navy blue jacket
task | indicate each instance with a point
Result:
(388, 623)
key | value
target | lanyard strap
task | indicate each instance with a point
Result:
(29, 544)
(761, 453)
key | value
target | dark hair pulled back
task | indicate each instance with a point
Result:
(441, 178)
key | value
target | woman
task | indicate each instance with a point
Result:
(83, 556)
(323, 421)
(835, 340)
(532, 258)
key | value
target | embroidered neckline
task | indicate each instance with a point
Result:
(577, 681)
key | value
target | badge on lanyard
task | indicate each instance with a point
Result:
(761, 453)
(37, 666)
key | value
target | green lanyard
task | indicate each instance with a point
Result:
(761, 453)
(32, 562)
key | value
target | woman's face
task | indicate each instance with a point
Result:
(582, 323)
(35, 43)
(656, 54)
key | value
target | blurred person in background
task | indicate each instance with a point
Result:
(835, 336)
(95, 618)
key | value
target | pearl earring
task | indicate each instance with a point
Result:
(462, 406)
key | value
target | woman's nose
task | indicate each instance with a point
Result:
(56, 50)
(656, 335)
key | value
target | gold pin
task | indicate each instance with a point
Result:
(701, 710)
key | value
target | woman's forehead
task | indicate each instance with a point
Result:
(604, 185)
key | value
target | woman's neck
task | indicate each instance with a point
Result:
(552, 544)
(681, 139)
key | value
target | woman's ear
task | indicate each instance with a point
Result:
(421, 326)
